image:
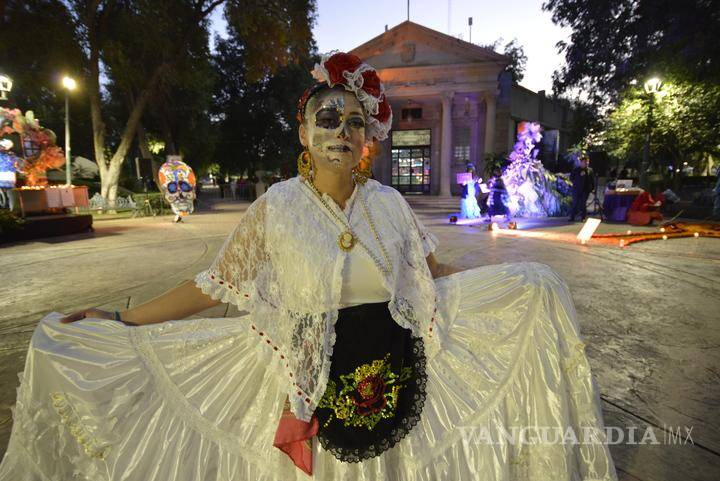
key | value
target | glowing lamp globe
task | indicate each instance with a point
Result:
(5, 86)
(652, 85)
(69, 83)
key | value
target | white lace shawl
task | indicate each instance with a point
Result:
(283, 265)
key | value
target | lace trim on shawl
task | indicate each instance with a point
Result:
(404, 314)
(398, 433)
(212, 285)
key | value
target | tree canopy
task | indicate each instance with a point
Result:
(145, 71)
(616, 45)
(616, 41)
(684, 122)
(255, 120)
(516, 52)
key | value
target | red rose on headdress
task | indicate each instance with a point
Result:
(383, 110)
(340, 62)
(371, 83)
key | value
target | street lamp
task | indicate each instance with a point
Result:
(5, 86)
(652, 87)
(68, 84)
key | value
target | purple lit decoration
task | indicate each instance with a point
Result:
(531, 190)
(8, 167)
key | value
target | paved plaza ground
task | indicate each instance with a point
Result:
(649, 313)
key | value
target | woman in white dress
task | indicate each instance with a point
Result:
(469, 208)
(360, 356)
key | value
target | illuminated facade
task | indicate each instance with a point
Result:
(452, 104)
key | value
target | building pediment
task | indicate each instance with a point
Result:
(411, 45)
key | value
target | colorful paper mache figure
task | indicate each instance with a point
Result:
(177, 182)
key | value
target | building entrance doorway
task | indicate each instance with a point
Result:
(411, 161)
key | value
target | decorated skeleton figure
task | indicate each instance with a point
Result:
(177, 181)
(8, 167)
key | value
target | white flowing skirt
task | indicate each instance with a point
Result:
(194, 400)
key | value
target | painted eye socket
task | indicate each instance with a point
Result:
(172, 187)
(328, 120)
(356, 122)
(185, 187)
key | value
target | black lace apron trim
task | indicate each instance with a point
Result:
(377, 384)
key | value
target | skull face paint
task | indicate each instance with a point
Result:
(330, 113)
(335, 130)
(177, 181)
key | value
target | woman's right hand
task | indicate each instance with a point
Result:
(92, 312)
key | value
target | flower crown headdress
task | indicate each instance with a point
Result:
(338, 68)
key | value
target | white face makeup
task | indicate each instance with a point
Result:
(334, 130)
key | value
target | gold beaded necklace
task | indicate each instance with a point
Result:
(347, 239)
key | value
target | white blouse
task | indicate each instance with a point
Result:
(283, 264)
(361, 279)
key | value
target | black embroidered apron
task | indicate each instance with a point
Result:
(376, 388)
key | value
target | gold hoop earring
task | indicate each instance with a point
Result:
(362, 172)
(304, 164)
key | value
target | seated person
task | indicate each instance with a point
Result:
(644, 210)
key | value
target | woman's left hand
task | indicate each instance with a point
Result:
(440, 270)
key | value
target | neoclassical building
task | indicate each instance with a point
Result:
(453, 103)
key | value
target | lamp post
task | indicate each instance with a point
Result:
(68, 84)
(652, 87)
(5, 86)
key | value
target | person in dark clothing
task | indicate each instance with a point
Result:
(583, 183)
(221, 184)
(497, 200)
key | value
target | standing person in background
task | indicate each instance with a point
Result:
(469, 208)
(498, 198)
(221, 186)
(233, 189)
(716, 192)
(260, 186)
(583, 183)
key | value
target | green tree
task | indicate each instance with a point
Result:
(684, 121)
(616, 41)
(135, 55)
(259, 84)
(256, 123)
(273, 34)
(36, 50)
(138, 45)
(516, 52)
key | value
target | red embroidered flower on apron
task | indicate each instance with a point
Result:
(368, 394)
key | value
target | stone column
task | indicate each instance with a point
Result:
(446, 143)
(490, 101)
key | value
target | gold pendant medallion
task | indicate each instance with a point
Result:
(346, 241)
